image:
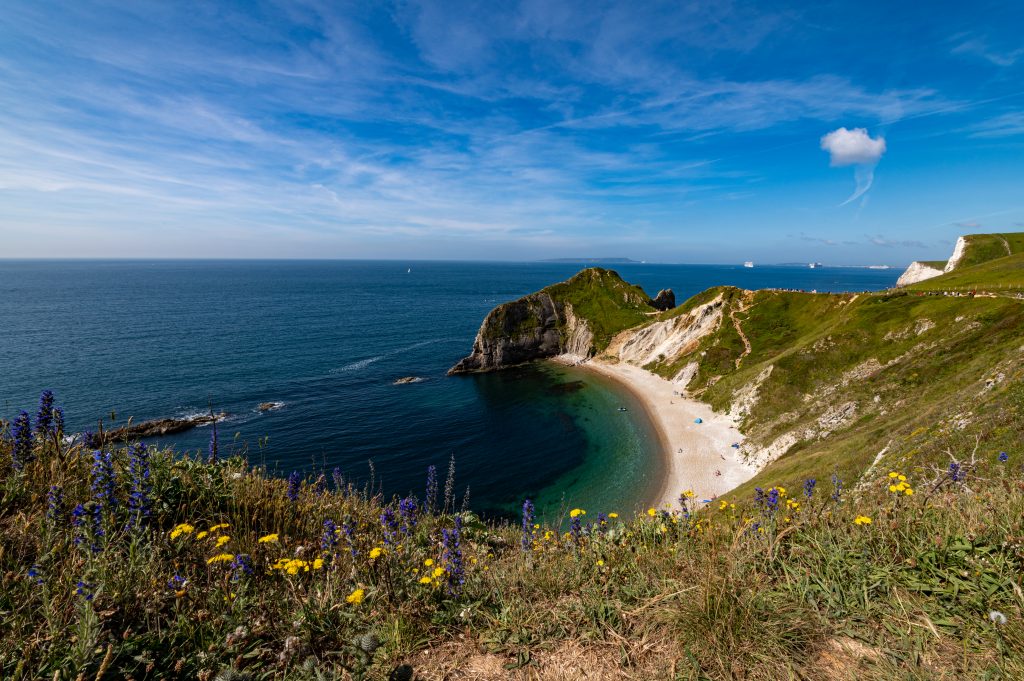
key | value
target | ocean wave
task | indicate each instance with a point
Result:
(361, 364)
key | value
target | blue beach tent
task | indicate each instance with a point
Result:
(698, 420)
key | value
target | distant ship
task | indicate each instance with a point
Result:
(749, 263)
(814, 265)
(878, 267)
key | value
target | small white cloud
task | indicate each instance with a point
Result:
(853, 147)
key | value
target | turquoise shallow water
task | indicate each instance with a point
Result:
(327, 339)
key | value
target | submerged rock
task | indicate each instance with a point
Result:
(269, 406)
(407, 379)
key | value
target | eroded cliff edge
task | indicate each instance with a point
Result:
(578, 317)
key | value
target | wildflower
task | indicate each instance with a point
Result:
(576, 512)
(318, 563)
(428, 562)
(424, 580)
(955, 472)
(241, 567)
(600, 563)
(222, 540)
(329, 539)
(613, 515)
(183, 528)
(837, 488)
(55, 504)
(651, 512)
(339, 480)
(1003, 456)
(349, 528)
(219, 526)
(141, 488)
(35, 574)
(430, 500)
(375, 552)
(862, 520)
(44, 418)
(177, 584)
(202, 535)
(528, 531)
(221, 558)
(84, 589)
(809, 487)
(103, 478)
(452, 556)
(356, 597)
(268, 539)
(293, 486)
(996, 617)
(894, 475)
(390, 525)
(407, 510)
(21, 431)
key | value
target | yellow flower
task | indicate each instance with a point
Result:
(183, 528)
(424, 580)
(356, 597)
(222, 540)
(220, 558)
(600, 563)
(202, 535)
(908, 491)
(438, 572)
(892, 488)
(613, 515)
(268, 539)
(651, 512)
(428, 562)
(894, 474)
(576, 512)
(375, 552)
(219, 527)
(722, 505)
(902, 478)
(689, 494)
(862, 520)
(318, 563)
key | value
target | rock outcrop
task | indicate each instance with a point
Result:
(665, 300)
(669, 339)
(156, 428)
(918, 271)
(533, 327)
(551, 322)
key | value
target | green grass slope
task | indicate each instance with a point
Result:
(605, 300)
(981, 248)
(1004, 273)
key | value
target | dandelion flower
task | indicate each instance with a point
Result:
(221, 558)
(202, 535)
(318, 563)
(894, 475)
(221, 526)
(268, 539)
(183, 528)
(222, 540)
(996, 617)
(651, 512)
(576, 512)
(428, 562)
(908, 491)
(356, 597)
(613, 515)
(600, 563)
(424, 580)
(862, 520)
(375, 552)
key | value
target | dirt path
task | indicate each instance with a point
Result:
(747, 297)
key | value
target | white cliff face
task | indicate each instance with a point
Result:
(671, 338)
(958, 253)
(579, 340)
(918, 271)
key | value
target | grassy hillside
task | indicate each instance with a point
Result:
(1005, 273)
(142, 564)
(608, 303)
(981, 248)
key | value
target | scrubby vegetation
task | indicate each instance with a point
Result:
(608, 303)
(134, 563)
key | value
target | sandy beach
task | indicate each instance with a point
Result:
(693, 452)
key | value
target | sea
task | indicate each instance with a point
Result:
(325, 341)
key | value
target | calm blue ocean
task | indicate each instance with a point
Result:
(152, 339)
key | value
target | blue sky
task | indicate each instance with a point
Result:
(845, 132)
